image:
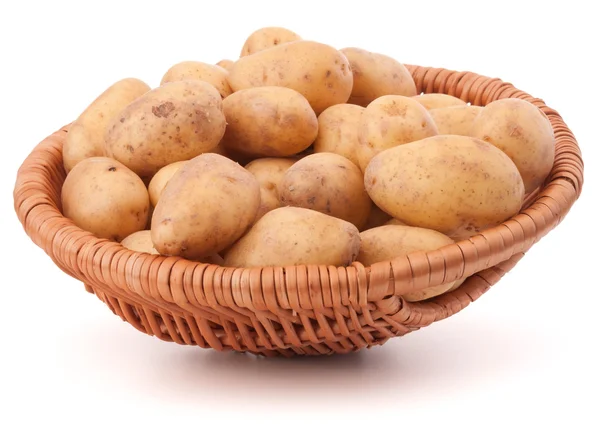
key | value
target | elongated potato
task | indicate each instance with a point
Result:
(160, 180)
(268, 121)
(86, 134)
(438, 100)
(176, 121)
(456, 185)
(266, 38)
(205, 207)
(338, 131)
(196, 70)
(318, 72)
(140, 241)
(296, 236)
(377, 75)
(455, 120)
(269, 173)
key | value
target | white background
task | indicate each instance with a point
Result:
(525, 355)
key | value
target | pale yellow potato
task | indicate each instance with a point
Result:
(196, 70)
(205, 207)
(523, 132)
(319, 72)
(105, 198)
(328, 183)
(160, 180)
(438, 100)
(176, 121)
(86, 134)
(395, 222)
(140, 241)
(226, 64)
(268, 122)
(377, 75)
(338, 131)
(388, 242)
(377, 217)
(456, 185)
(266, 38)
(390, 121)
(296, 236)
(455, 120)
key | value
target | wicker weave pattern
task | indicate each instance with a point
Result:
(303, 309)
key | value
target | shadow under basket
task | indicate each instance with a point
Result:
(304, 310)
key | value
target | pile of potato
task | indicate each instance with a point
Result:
(298, 153)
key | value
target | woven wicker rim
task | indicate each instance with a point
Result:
(308, 309)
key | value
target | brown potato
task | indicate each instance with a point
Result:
(328, 183)
(196, 70)
(377, 217)
(318, 72)
(266, 38)
(455, 120)
(377, 75)
(160, 180)
(205, 207)
(296, 236)
(391, 121)
(269, 173)
(338, 131)
(105, 198)
(268, 121)
(140, 241)
(174, 122)
(438, 100)
(226, 64)
(456, 185)
(86, 134)
(523, 132)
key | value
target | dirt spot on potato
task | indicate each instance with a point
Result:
(394, 110)
(163, 110)
(112, 169)
(130, 148)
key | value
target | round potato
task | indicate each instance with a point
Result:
(160, 180)
(388, 242)
(226, 64)
(390, 121)
(86, 134)
(176, 121)
(318, 72)
(523, 132)
(328, 183)
(456, 185)
(105, 198)
(338, 131)
(205, 207)
(377, 217)
(268, 121)
(438, 100)
(266, 38)
(140, 241)
(269, 173)
(377, 75)
(196, 70)
(296, 236)
(455, 120)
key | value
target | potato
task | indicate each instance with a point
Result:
(86, 134)
(105, 198)
(377, 75)
(176, 121)
(438, 100)
(388, 242)
(296, 236)
(225, 64)
(395, 222)
(266, 38)
(140, 241)
(205, 207)
(196, 70)
(328, 183)
(377, 217)
(390, 121)
(268, 121)
(455, 120)
(523, 132)
(160, 180)
(456, 185)
(318, 72)
(338, 131)
(269, 173)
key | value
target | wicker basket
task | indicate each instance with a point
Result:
(306, 310)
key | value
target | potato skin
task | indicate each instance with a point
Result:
(160, 180)
(390, 121)
(269, 173)
(268, 121)
(86, 134)
(176, 121)
(317, 71)
(377, 75)
(377, 217)
(522, 131)
(140, 242)
(438, 100)
(266, 38)
(196, 70)
(105, 198)
(205, 207)
(456, 185)
(338, 131)
(455, 120)
(226, 64)
(296, 236)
